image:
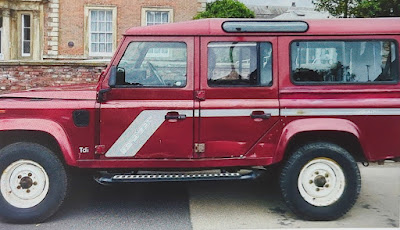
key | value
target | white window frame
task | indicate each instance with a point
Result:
(87, 33)
(1, 37)
(23, 35)
(157, 9)
(170, 12)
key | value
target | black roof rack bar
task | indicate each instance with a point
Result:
(264, 26)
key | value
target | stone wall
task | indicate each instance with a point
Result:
(16, 76)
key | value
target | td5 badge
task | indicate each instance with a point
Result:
(83, 149)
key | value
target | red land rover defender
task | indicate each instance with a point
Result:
(238, 96)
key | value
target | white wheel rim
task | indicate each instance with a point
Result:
(24, 184)
(321, 182)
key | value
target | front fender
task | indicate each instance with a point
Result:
(312, 124)
(47, 126)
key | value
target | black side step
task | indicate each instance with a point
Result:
(107, 178)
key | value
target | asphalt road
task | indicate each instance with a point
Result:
(216, 205)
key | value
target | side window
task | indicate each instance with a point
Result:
(26, 35)
(239, 64)
(344, 62)
(140, 68)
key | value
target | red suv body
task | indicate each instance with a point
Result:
(223, 94)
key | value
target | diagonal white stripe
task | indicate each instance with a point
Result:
(139, 132)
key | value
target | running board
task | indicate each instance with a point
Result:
(107, 178)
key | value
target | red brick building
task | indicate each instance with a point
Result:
(55, 42)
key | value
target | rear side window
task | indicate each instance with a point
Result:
(343, 62)
(239, 64)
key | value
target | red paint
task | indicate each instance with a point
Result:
(229, 141)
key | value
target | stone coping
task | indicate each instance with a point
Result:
(94, 63)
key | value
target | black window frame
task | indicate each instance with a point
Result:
(321, 83)
(259, 62)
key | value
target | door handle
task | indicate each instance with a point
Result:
(260, 115)
(175, 116)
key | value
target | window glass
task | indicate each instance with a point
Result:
(344, 61)
(156, 17)
(138, 68)
(239, 64)
(26, 34)
(101, 32)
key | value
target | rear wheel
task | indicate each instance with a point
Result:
(33, 183)
(320, 181)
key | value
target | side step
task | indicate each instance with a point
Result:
(107, 178)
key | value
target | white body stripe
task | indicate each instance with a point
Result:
(341, 112)
(148, 121)
(234, 112)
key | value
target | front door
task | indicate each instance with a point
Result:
(149, 114)
(238, 94)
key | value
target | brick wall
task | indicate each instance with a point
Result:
(16, 76)
(71, 18)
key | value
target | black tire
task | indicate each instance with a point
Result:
(57, 182)
(300, 161)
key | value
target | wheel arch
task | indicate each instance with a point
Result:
(45, 132)
(338, 131)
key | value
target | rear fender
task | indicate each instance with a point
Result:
(42, 125)
(313, 124)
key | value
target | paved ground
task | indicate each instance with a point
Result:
(216, 205)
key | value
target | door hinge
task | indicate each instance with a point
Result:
(199, 147)
(201, 95)
(100, 149)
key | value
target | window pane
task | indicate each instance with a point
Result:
(236, 64)
(27, 20)
(158, 17)
(102, 48)
(93, 38)
(27, 34)
(102, 27)
(102, 16)
(109, 38)
(94, 47)
(344, 61)
(109, 48)
(139, 67)
(150, 17)
(94, 26)
(93, 15)
(109, 16)
(27, 47)
(165, 17)
(102, 37)
(109, 27)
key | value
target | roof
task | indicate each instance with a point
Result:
(316, 26)
(267, 12)
(300, 13)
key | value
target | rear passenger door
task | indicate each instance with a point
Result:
(237, 95)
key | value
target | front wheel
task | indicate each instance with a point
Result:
(320, 181)
(33, 183)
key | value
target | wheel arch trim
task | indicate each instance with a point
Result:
(313, 125)
(42, 125)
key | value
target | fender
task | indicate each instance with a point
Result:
(312, 124)
(47, 126)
